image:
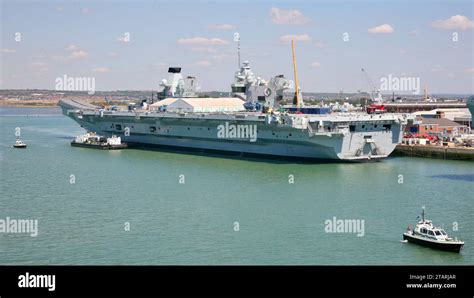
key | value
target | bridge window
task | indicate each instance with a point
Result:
(387, 126)
(352, 128)
(238, 89)
(118, 127)
(152, 128)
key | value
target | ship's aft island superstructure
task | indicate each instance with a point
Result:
(252, 122)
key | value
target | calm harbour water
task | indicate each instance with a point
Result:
(193, 223)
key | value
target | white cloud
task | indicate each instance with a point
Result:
(288, 38)
(203, 63)
(288, 17)
(101, 69)
(403, 51)
(202, 41)
(71, 47)
(85, 10)
(75, 53)
(316, 64)
(80, 54)
(112, 54)
(454, 22)
(225, 27)
(8, 51)
(385, 28)
(59, 8)
(470, 70)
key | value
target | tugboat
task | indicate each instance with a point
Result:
(19, 144)
(426, 234)
(92, 140)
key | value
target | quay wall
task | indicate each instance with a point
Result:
(443, 152)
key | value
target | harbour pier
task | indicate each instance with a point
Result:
(442, 152)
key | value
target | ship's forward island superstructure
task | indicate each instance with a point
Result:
(249, 125)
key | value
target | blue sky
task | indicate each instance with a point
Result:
(85, 38)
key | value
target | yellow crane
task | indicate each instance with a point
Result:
(296, 75)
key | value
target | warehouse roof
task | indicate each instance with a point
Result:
(439, 121)
(164, 102)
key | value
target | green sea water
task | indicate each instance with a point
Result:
(185, 208)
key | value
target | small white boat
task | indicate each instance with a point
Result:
(92, 140)
(426, 234)
(19, 144)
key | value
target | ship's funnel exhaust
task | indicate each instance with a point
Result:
(174, 70)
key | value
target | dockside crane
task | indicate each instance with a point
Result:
(298, 99)
(375, 98)
(377, 101)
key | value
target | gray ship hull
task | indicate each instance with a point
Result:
(354, 138)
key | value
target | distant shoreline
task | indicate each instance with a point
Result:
(29, 103)
(27, 106)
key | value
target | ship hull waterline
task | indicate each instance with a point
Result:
(446, 246)
(99, 146)
(199, 135)
(261, 148)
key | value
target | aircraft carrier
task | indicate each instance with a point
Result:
(258, 125)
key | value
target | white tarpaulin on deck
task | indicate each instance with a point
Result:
(205, 104)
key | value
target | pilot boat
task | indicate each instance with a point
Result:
(19, 144)
(426, 234)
